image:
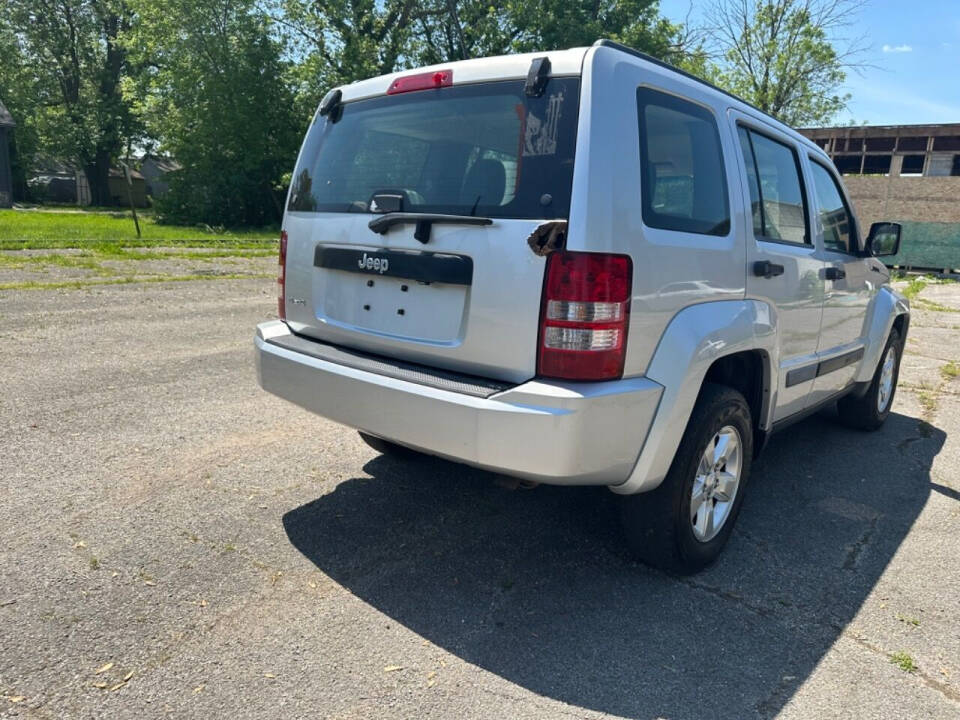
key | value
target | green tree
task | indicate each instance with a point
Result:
(66, 73)
(457, 29)
(24, 95)
(340, 41)
(347, 40)
(555, 24)
(781, 55)
(215, 96)
(447, 30)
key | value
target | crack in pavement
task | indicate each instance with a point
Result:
(945, 689)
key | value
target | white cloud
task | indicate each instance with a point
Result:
(897, 48)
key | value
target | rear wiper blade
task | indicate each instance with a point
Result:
(424, 222)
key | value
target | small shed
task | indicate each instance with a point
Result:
(155, 169)
(118, 188)
(6, 178)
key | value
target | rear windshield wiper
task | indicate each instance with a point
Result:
(424, 221)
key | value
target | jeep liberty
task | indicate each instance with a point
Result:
(581, 267)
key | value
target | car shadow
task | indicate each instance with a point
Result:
(537, 588)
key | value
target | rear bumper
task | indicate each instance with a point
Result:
(549, 431)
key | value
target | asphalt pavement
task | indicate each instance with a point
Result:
(174, 542)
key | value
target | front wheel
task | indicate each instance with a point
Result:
(683, 525)
(869, 411)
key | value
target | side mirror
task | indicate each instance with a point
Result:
(884, 239)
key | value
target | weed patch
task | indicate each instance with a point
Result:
(904, 661)
(950, 370)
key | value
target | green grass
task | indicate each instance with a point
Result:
(927, 397)
(84, 260)
(38, 229)
(934, 306)
(914, 287)
(904, 661)
(950, 370)
(94, 262)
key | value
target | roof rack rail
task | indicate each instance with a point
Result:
(656, 61)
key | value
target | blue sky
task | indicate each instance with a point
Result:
(915, 46)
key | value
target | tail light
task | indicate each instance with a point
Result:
(282, 277)
(583, 320)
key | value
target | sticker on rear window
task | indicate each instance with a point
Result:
(540, 135)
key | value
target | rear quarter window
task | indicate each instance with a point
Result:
(683, 183)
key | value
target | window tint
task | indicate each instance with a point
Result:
(485, 149)
(777, 188)
(683, 186)
(838, 233)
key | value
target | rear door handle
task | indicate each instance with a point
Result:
(835, 273)
(767, 269)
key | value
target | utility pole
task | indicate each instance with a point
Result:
(133, 209)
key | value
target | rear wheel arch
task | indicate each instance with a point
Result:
(696, 342)
(749, 373)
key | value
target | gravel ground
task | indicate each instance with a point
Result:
(175, 542)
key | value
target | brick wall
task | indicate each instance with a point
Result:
(919, 199)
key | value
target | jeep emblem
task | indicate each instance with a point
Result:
(368, 262)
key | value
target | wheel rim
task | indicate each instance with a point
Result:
(716, 483)
(886, 379)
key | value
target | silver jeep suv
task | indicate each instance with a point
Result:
(580, 267)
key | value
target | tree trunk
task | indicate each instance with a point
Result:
(18, 172)
(98, 175)
(109, 141)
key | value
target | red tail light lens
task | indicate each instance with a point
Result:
(583, 321)
(282, 277)
(421, 81)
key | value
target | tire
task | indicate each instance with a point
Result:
(659, 527)
(385, 447)
(869, 411)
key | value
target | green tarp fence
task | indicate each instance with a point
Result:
(928, 245)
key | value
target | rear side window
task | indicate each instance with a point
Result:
(776, 188)
(483, 149)
(683, 186)
(838, 233)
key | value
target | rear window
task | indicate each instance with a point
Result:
(485, 149)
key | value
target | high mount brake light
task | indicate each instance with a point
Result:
(421, 81)
(282, 277)
(584, 316)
